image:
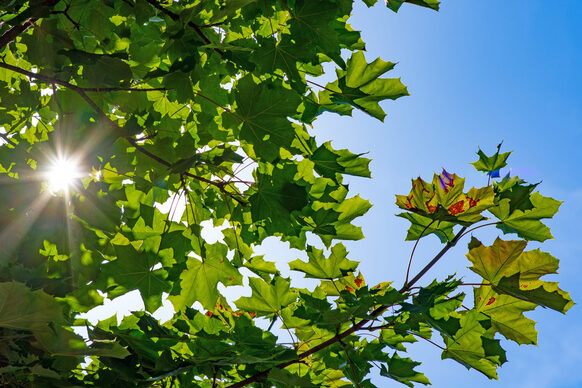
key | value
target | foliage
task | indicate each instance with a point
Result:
(207, 106)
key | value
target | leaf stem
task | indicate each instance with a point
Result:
(176, 18)
(358, 326)
(189, 201)
(414, 248)
(438, 256)
(7, 139)
(481, 226)
(287, 7)
(288, 331)
(351, 364)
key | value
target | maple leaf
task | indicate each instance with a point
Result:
(444, 200)
(512, 271)
(320, 267)
(491, 164)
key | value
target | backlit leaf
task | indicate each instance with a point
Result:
(526, 223)
(199, 281)
(267, 298)
(320, 267)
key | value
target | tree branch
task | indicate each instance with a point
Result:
(449, 245)
(81, 91)
(105, 90)
(7, 139)
(414, 249)
(12, 33)
(358, 326)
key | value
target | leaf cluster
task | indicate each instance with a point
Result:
(193, 116)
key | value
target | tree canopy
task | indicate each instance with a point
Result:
(186, 115)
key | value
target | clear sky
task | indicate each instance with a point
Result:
(478, 72)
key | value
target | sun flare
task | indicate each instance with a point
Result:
(62, 175)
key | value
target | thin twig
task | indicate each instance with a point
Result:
(449, 245)
(269, 17)
(358, 326)
(82, 92)
(288, 331)
(189, 201)
(414, 248)
(481, 226)
(351, 364)
(7, 139)
(176, 18)
(104, 90)
(15, 31)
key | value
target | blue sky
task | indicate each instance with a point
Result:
(478, 73)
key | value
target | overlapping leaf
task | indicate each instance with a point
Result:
(471, 346)
(506, 314)
(516, 272)
(267, 298)
(263, 108)
(22, 308)
(198, 283)
(275, 197)
(423, 226)
(320, 267)
(133, 270)
(332, 163)
(361, 87)
(402, 370)
(526, 223)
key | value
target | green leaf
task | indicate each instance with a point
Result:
(491, 164)
(320, 267)
(423, 226)
(267, 298)
(276, 196)
(24, 309)
(288, 379)
(199, 281)
(542, 293)
(505, 258)
(514, 272)
(133, 270)
(359, 72)
(330, 163)
(364, 93)
(402, 370)
(516, 192)
(285, 54)
(526, 223)
(467, 346)
(506, 313)
(261, 267)
(317, 23)
(394, 5)
(263, 108)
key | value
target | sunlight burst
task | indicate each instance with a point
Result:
(62, 175)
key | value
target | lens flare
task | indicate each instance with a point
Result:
(62, 175)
